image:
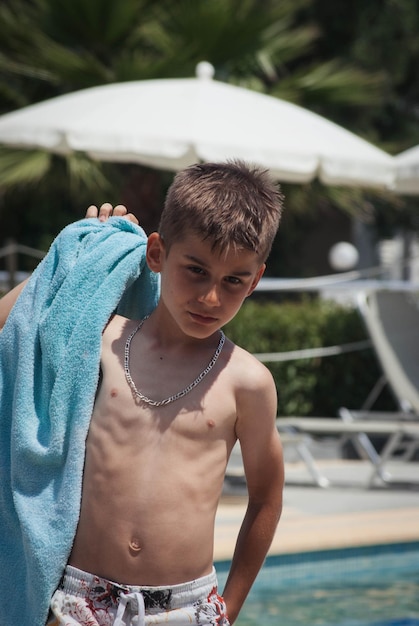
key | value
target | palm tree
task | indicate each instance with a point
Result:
(50, 47)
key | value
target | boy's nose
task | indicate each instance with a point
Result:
(210, 296)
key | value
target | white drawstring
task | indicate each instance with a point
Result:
(133, 604)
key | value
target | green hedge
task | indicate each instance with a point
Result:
(315, 386)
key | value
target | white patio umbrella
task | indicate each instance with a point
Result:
(407, 172)
(172, 123)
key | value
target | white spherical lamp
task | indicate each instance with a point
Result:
(343, 256)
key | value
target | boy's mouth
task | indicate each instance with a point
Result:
(202, 319)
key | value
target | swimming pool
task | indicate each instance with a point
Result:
(365, 586)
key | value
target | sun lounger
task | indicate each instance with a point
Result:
(392, 321)
(394, 431)
(298, 441)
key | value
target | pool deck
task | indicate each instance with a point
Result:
(346, 514)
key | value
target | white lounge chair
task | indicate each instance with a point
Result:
(394, 431)
(295, 440)
(392, 321)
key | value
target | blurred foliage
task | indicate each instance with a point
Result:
(356, 63)
(295, 49)
(311, 386)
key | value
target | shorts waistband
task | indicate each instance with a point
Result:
(84, 584)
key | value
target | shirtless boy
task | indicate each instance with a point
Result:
(158, 447)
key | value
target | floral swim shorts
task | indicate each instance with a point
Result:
(84, 599)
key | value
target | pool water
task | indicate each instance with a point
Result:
(368, 586)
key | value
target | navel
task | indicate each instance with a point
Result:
(114, 393)
(134, 545)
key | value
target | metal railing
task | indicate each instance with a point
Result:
(346, 281)
(12, 276)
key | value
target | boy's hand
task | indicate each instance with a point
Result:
(107, 210)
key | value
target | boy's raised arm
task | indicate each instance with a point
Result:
(263, 462)
(7, 302)
(103, 212)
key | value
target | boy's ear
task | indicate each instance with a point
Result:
(256, 279)
(155, 252)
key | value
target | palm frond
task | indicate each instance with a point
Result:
(332, 83)
(85, 174)
(20, 168)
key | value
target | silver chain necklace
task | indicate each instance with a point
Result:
(178, 395)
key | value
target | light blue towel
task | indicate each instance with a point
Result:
(49, 368)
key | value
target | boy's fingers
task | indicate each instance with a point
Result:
(120, 210)
(131, 217)
(105, 211)
(92, 211)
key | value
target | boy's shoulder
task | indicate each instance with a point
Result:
(247, 369)
(254, 386)
(116, 324)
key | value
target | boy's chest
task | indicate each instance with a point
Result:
(205, 409)
(206, 413)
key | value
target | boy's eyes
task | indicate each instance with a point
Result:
(232, 280)
(196, 270)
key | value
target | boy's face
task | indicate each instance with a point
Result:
(200, 288)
